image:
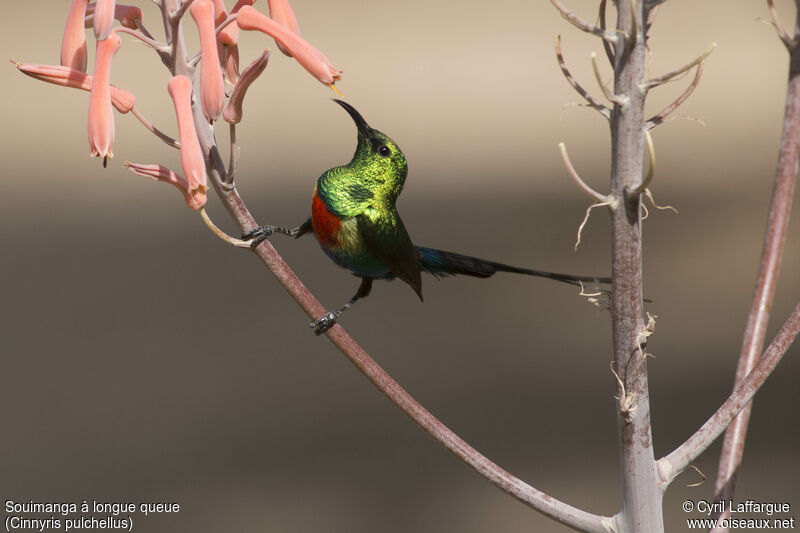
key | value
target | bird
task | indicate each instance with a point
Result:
(355, 220)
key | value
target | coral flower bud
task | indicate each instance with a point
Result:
(101, 117)
(73, 44)
(103, 18)
(233, 111)
(194, 199)
(194, 166)
(281, 12)
(212, 87)
(229, 35)
(128, 16)
(232, 63)
(121, 99)
(309, 57)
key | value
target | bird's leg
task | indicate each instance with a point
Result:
(324, 323)
(262, 232)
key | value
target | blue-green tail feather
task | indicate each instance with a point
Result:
(441, 263)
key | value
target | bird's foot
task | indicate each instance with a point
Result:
(258, 235)
(324, 323)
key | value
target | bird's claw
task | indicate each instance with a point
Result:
(258, 235)
(324, 323)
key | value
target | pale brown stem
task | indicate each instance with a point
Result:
(641, 493)
(681, 458)
(157, 132)
(662, 115)
(603, 110)
(771, 254)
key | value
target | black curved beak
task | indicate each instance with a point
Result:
(361, 124)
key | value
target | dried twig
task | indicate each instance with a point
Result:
(602, 20)
(662, 115)
(611, 202)
(603, 110)
(788, 40)
(649, 84)
(581, 24)
(613, 98)
(593, 194)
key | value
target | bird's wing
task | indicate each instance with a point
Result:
(387, 239)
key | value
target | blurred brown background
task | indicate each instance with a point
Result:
(144, 360)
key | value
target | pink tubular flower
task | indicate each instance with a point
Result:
(229, 36)
(121, 99)
(103, 18)
(230, 33)
(232, 63)
(233, 111)
(73, 45)
(194, 199)
(126, 15)
(212, 88)
(309, 57)
(281, 12)
(194, 167)
(101, 118)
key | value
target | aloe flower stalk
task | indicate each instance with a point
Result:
(281, 12)
(194, 166)
(73, 44)
(101, 118)
(212, 87)
(103, 18)
(195, 199)
(233, 111)
(121, 99)
(128, 16)
(309, 57)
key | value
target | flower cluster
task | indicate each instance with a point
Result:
(218, 31)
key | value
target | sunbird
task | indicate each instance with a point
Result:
(355, 221)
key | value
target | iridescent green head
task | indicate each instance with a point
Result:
(378, 162)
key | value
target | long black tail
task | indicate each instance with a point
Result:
(441, 263)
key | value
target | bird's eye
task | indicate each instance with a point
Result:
(384, 151)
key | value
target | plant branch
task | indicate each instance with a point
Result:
(678, 460)
(763, 295)
(602, 19)
(157, 132)
(662, 115)
(603, 110)
(581, 24)
(161, 48)
(593, 194)
(789, 41)
(680, 70)
(641, 491)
